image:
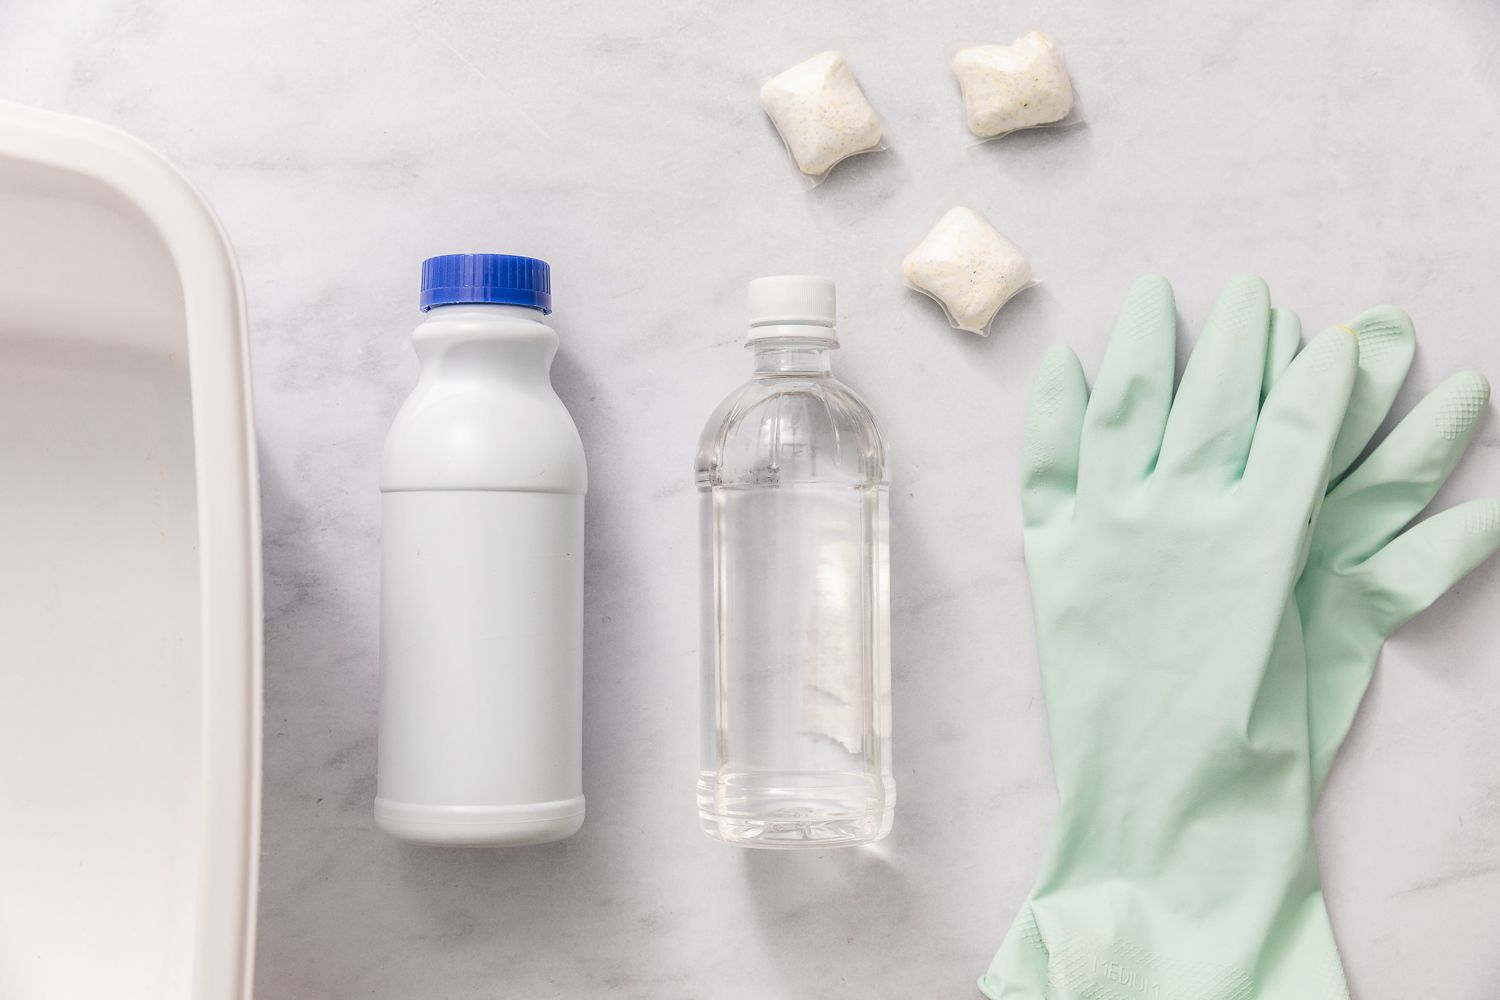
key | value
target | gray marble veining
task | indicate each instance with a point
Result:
(1345, 151)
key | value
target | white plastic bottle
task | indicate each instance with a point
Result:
(482, 571)
(793, 476)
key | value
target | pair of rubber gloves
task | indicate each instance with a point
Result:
(1209, 613)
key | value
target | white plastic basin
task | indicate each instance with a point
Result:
(129, 578)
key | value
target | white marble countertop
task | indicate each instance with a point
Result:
(1346, 151)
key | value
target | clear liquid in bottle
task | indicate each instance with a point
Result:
(792, 476)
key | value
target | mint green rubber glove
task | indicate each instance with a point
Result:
(1367, 571)
(1163, 540)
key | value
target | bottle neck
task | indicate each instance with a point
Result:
(792, 356)
(454, 311)
(485, 341)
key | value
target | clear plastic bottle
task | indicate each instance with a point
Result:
(792, 475)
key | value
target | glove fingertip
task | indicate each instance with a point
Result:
(1482, 517)
(1387, 338)
(1464, 395)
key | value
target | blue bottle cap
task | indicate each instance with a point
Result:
(486, 277)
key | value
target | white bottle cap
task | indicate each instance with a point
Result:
(792, 305)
